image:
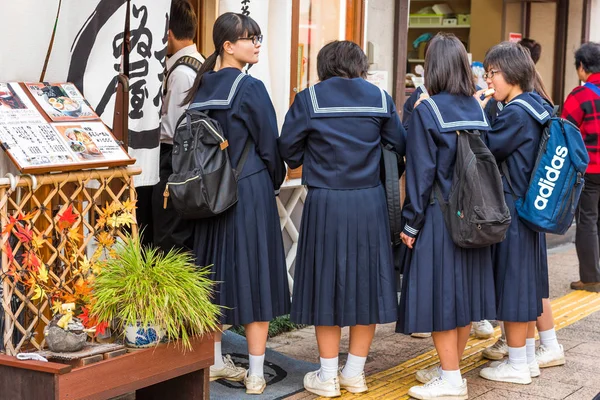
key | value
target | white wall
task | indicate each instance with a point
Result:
(594, 19)
(280, 30)
(379, 30)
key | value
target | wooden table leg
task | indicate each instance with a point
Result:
(193, 386)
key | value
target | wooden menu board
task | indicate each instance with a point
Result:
(47, 127)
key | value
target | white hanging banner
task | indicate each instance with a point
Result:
(258, 10)
(149, 23)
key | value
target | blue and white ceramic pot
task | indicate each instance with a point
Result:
(142, 337)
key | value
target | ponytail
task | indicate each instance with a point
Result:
(208, 65)
(540, 88)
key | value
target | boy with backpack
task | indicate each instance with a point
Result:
(169, 230)
(582, 108)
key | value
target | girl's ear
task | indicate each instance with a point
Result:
(228, 47)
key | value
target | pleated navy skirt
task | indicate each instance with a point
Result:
(520, 271)
(444, 286)
(245, 248)
(344, 273)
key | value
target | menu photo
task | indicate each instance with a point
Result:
(15, 106)
(61, 101)
(91, 141)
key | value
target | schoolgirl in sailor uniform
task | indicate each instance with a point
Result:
(445, 287)
(344, 273)
(244, 244)
(520, 262)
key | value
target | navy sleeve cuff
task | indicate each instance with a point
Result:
(410, 231)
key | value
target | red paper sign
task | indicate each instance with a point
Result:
(515, 37)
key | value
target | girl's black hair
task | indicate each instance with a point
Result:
(343, 59)
(447, 66)
(229, 27)
(514, 63)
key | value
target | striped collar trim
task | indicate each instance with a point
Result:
(334, 110)
(224, 102)
(541, 117)
(456, 124)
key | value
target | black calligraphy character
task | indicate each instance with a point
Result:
(139, 94)
(161, 56)
(246, 7)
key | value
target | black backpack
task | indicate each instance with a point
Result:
(392, 168)
(476, 214)
(203, 183)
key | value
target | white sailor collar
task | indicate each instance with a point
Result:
(218, 89)
(452, 113)
(341, 97)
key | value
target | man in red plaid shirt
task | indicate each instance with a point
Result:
(582, 107)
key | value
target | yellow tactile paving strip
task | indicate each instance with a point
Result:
(395, 382)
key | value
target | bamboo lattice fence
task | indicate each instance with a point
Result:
(44, 197)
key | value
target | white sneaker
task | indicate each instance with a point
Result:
(425, 375)
(497, 351)
(421, 335)
(229, 371)
(534, 368)
(506, 372)
(483, 329)
(254, 384)
(547, 357)
(329, 388)
(440, 389)
(357, 384)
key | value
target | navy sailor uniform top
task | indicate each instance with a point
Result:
(334, 130)
(243, 108)
(515, 137)
(431, 150)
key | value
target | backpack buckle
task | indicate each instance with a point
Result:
(224, 144)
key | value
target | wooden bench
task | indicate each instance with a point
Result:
(163, 372)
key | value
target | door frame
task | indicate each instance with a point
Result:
(355, 31)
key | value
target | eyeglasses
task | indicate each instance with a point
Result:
(490, 75)
(256, 39)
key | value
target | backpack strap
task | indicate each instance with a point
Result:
(188, 61)
(593, 88)
(506, 173)
(244, 157)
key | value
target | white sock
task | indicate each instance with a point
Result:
(549, 340)
(257, 364)
(530, 348)
(517, 357)
(503, 337)
(454, 377)
(329, 368)
(355, 365)
(218, 356)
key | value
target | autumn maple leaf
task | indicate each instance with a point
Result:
(11, 224)
(26, 217)
(9, 252)
(82, 289)
(67, 218)
(85, 317)
(23, 233)
(30, 260)
(101, 328)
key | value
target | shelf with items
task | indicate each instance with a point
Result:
(440, 27)
(431, 17)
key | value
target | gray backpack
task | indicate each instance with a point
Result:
(476, 214)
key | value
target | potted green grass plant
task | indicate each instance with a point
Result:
(151, 295)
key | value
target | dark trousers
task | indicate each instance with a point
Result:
(144, 214)
(587, 239)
